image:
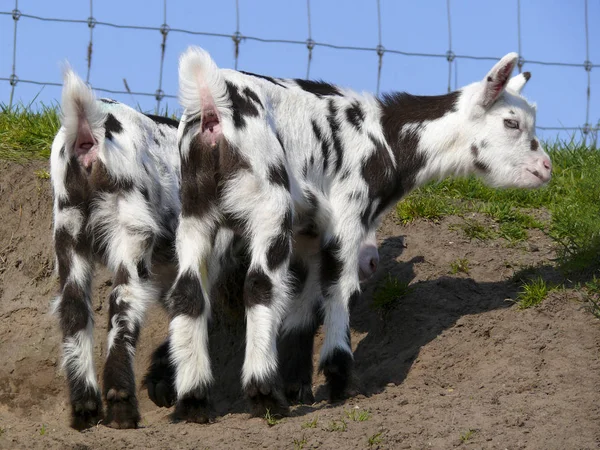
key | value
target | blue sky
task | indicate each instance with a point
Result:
(552, 30)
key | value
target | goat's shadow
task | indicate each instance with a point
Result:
(390, 344)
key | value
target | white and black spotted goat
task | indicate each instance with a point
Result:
(285, 163)
(116, 176)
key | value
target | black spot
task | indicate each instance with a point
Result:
(280, 247)
(278, 175)
(483, 144)
(145, 193)
(490, 79)
(382, 181)
(534, 145)
(156, 141)
(258, 288)
(142, 270)
(318, 88)
(331, 265)
(264, 77)
(481, 166)
(163, 120)
(242, 106)
(511, 112)
(186, 296)
(74, 309)
(527, 75)
(111, 125)
(252, 96)
(198, 182)
(335, 130)
(398, 110)
(355, 115)
(108, 100)
(299, 275)
(474, 151)
(324, 144)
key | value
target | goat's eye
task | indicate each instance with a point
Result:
(510, 123)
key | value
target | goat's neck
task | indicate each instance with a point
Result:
(427, 136)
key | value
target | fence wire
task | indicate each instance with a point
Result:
(238, 38)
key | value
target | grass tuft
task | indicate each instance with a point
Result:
(337, 425)
(461, 265)
(310, 423)
(358, 415)
(271, 419)
(299, 443)
(532, 293)
(464, 437)
(375, 439)
(388, 293)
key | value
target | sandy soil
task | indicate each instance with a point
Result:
(454, 364)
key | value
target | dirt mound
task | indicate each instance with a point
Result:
(454, 363)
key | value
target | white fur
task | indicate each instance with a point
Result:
(189, 344)
(78, 355)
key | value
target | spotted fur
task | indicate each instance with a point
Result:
(334, 161)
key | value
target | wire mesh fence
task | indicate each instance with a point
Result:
(588, 130)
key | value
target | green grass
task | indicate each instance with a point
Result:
(310, 423)
(271, 419)
(461, 265)
(375, 439)
(592, 288)
(358, 415)
(299, 443)
(337, 425)
(533, 292)
(388, 293)
(27, 134)
(474, 229)
(43, 430)
(464, 437)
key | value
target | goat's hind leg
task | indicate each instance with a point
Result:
(73, 306)
(129, 254)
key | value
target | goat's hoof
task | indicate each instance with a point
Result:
(299, 393)
(266, 396)
(121, 409)
(86, 411)
(160, 378)
(337, 369)
(193, 407)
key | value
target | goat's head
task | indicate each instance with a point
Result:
(500, 129)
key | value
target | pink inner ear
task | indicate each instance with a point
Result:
(498, 83)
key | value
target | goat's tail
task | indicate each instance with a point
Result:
(82, 118)
(202, 90)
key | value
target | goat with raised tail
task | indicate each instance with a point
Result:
(115, 178)
(285, 163)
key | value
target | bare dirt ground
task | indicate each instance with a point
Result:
(454, 364)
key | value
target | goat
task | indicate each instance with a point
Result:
(115, 179)
(279, 161)
(115, 175)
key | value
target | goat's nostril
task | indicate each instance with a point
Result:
(373, 265)
(547, 164)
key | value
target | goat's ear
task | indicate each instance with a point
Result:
(517, 82)
(497, 79)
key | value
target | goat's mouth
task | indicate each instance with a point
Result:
(538, 175)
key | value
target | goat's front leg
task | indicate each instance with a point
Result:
(340, 285)
(130, 255)
(73, 306)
